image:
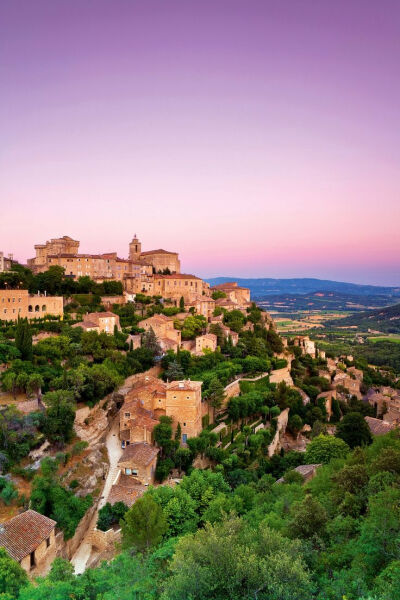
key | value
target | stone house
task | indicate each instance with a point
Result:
(102, 322)
(238, 296)
(183, 403)
(203, 305)
(136, 424)
(29, 538)
(178, 285)
(164, 329)
(15, 304)
(205, 342)
(139, 460)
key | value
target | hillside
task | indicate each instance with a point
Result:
(265, 286)
(385, 320)
(323, 300)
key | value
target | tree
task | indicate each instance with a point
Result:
(354, 430)
(215, 394)
(61, 570)
(295, 424)
(182, 304)
(150, 342)
(174, 371)
(60, 416)
(232, 560)
(324, 448)
(143, 525)
(23, 339)
(12, 576)
(308, 518)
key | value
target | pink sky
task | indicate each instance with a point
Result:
(256, 138)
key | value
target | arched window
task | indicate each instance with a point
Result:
(44, 308)
(30, 308)
(37, 308)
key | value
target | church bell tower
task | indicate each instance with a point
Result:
(135, 249)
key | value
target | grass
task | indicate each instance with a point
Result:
(395, 338)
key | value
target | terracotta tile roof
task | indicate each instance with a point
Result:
(144, 420)
(178, 276)
(22, 534)
(141, 453)
(127, 490)
(186, 384)
(159, 251)
(378, 427)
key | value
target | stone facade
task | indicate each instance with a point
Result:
(237, 296)
(16, 304)
(5, 262)
(164, 330)
(205, 342)
(183, 404)
(102, 322)
(139, 461)
(174, 287)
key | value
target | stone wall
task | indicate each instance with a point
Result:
(282, 421)
(280, 375)
(103, 540)
(71, 545)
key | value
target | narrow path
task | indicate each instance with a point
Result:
(82, 555)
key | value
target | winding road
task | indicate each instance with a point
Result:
(82, 555)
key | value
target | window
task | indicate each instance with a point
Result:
(184, 424)
(47, 542)
(44, 308)
(128, 471)
(184, 438)
(127, 414)
(37, 308)
(134, 472)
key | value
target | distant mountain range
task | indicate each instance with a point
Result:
(265, 286)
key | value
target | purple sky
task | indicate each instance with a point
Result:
(257, 138)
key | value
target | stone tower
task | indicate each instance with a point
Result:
(135, 249)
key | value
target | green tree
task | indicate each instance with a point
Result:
(23, 339)
(182, 304)
(12, 576)
(60, 416)
(143, 525)
(232, 560)
(324, 448)
(215, 394)
(353, 429)
(150, 342)
(308, 518)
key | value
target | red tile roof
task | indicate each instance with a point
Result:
(159, 251)
(378, 427)
(141, 454)
(22, 534)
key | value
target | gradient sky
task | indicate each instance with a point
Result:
(257, 138)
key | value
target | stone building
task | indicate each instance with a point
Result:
(178, 285)
(102, 322)
(139, 461)
(205, 342)
(16, 304)
(203, 305)
(136, 424)
(237, 296)
(152, 398)
(163, 327)
(64, 252)
(162, 260)
(55, 246)
(183, 404)
(29, 538)
(5, 262)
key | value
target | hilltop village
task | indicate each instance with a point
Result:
(130, 390)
